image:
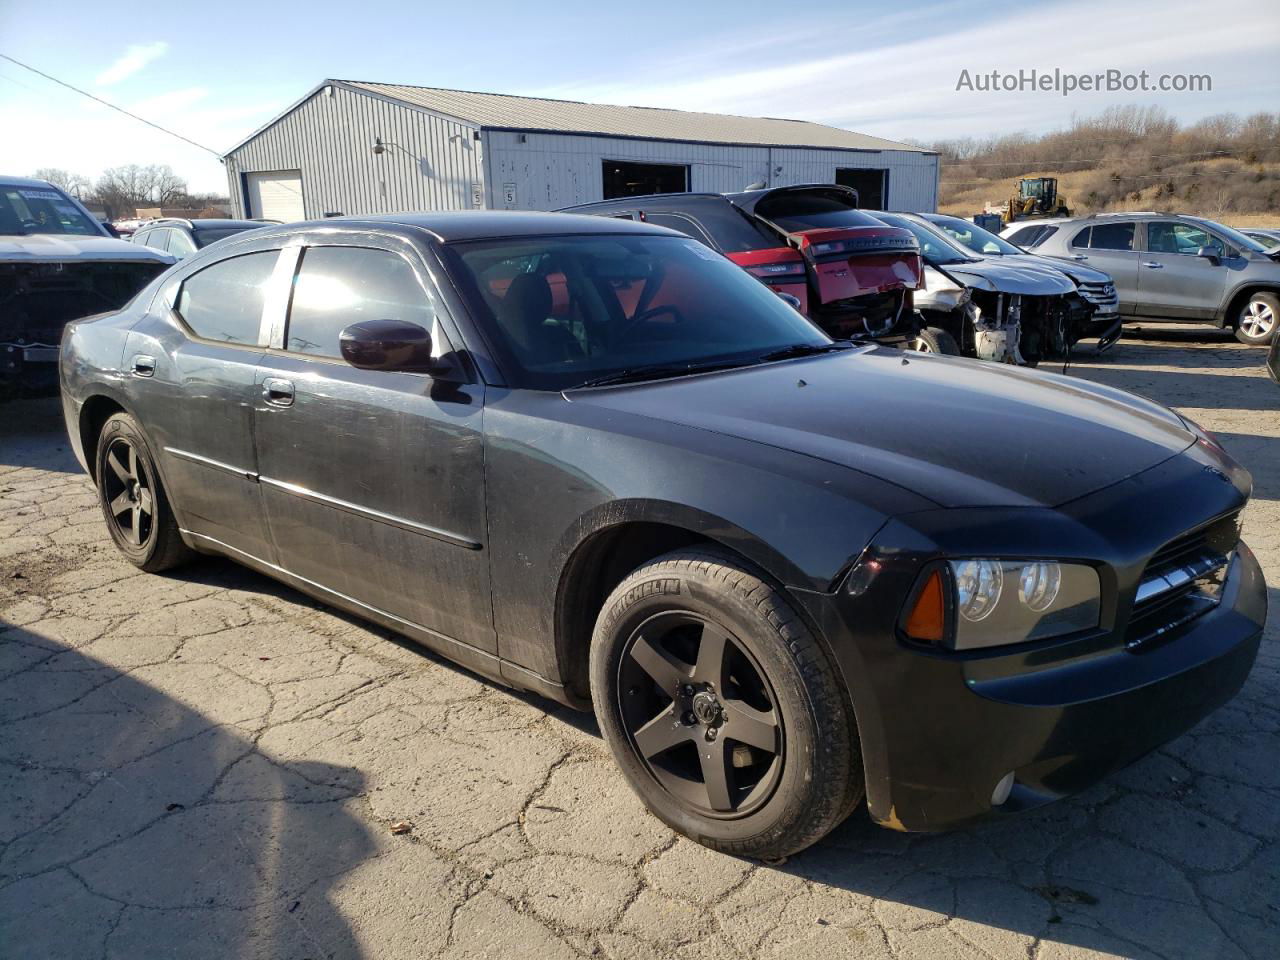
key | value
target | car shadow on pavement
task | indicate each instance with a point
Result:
(134, 826)
(25, 428)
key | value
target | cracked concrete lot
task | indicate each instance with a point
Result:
(208, 765)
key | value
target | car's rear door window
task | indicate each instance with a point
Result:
(224, 301)
(338, 286)
(180, 244)
(1106, 236)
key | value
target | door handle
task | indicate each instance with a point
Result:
(144, 366)
(1152, 265)
(277, 392)
(1078, 256)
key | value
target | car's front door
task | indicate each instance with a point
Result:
(1110, 246)
(373, 481)
(1173, 280)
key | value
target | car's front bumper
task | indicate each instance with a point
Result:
(940, 729)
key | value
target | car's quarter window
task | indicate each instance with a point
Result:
(679, 222)
(156, 238)
(224, 301)
(562, 310)
(1106, 236)
(1169, 236)
(338, 286)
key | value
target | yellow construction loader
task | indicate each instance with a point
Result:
(1035, 197)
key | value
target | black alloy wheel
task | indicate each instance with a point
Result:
(139, 517)
(128, 488)
(701, 715)
(724, 711)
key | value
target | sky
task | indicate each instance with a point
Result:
(214, 72)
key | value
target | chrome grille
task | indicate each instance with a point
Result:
(1101, 295)
(1182, 581)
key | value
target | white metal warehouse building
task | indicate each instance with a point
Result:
(351, 148)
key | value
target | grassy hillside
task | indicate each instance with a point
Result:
(1129, 158)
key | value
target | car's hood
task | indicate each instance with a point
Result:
(1077, 272)
(63, 247)
(997, 274)
(959, 432)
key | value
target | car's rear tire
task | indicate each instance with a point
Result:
(1258, 319)
(937, 340)
(133, 500)
(722, 709)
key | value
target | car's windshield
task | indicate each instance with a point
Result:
(935, 246)
(811, 209)
(26, 210)
(1235, 236)
(564, 310)
(975, 238)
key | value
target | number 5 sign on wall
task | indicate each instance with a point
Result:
(508, 195)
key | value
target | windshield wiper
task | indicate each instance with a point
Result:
(656, 372)
(804, 350)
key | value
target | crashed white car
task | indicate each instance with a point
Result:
(57, 263)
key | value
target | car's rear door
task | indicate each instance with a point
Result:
(1172, 280)
(372, 480)
(1110, 246)
(192, 363)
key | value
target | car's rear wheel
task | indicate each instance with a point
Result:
(133, 500)
(1257, 320)
(937, 340)
(722, 709)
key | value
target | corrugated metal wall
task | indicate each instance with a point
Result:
(436, 166)
(548, 171)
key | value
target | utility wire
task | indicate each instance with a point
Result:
(134, 116)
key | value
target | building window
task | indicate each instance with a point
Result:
(870, 185)
(623, 178)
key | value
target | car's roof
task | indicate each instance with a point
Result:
(224, 222)
(649, 200)
(24, 182)
(448, 226)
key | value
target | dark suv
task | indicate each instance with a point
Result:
(180, 238)
(854, 276)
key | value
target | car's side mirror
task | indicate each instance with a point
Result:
(793, 302)
(388, 345)
(1209, 253)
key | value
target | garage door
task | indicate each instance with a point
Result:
(275, 195)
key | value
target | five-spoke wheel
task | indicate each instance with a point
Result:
(1257, 321)
(133, 500)
(701, 714)
(721, 708)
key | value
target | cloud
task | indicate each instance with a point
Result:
(133, 60)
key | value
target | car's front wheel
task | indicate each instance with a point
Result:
(722, 709)
(937, 340)
(133, 500)
(1257, 320)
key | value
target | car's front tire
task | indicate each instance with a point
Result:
(133, 500)
(722, 709)
(937, 340)
(1258, 319)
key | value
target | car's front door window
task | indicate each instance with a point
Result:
(224, 301)
(339, 286)
(1169, 236)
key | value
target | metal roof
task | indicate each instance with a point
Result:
(501, 111)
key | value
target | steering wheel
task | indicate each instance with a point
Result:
(645, 316)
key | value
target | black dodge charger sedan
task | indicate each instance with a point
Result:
(594, 459)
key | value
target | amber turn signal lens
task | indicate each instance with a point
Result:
(926, 619)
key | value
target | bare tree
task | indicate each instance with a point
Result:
(133, 185)
(72, 183)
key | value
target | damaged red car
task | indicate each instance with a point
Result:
(855, 279)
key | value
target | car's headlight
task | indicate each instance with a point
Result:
(996, 602)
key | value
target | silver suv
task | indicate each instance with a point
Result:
(1170, 267)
